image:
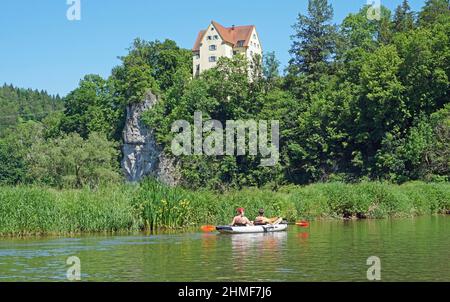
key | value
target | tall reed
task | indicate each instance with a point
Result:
(151, 205)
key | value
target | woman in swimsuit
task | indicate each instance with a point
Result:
(240, 219)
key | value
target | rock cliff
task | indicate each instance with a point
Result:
(141, 155)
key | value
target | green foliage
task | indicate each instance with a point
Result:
(133, 79)
(53, 125)
(71, 161)
(424, 70)
(369, 101)
(161, 206)
(30, 155)
(12, 168)
(154, 66)
(39, 211)
(313, 40)
(18, 105)
(318, 138)
(152, 206)
(381, 106)
(434, 11)
(14, 149)
(358, 107)
(404, 18)
(436, 156)
(92, 107)
(359, 36)
(364, 100)
(271, 67)
(400, 158)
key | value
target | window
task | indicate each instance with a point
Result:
(197, 56)
(213, 59)
(216, 37)
(234, 52)
(251, 53)
(208, 38)
(240, 43)
(212, 28)
(212, 47)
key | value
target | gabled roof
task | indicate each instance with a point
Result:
(199, 40)
(229, 34)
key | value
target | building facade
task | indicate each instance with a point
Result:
(218, 41)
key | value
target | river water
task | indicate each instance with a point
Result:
(409, 250)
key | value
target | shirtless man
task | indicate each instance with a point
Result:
(240, 219)
(261, 220)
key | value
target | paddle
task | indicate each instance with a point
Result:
(303, 224)
(277, 221)
(208, 228)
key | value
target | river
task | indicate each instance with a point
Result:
(409, 250)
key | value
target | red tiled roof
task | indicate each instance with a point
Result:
(229, 34)
(199, 40)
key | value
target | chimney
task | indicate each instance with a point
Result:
(232, 27)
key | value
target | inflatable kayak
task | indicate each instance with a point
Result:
(252, 229)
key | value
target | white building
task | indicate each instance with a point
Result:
(218, 41)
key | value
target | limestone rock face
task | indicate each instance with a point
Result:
(141, 155)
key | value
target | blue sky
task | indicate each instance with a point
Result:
(40, 48)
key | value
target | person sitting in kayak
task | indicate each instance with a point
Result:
(240, 219)
(261, 220)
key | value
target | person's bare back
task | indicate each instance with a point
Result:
(261, 220)
(240, 219)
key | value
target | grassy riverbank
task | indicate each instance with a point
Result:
(36, 210)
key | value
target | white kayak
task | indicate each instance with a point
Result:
(270, 228)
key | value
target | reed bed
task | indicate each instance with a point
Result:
(152, 206)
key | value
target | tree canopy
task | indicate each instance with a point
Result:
(364, 99)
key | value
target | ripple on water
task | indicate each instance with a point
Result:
(410, 250)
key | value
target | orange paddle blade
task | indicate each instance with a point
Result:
(303, 224)
(208, 228)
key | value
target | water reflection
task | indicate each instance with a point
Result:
(244, 244)
(303, 236)
(209, 241)
(256, 252)
(411, 250)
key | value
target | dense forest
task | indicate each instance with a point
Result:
(362, 100)
(18, 105)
